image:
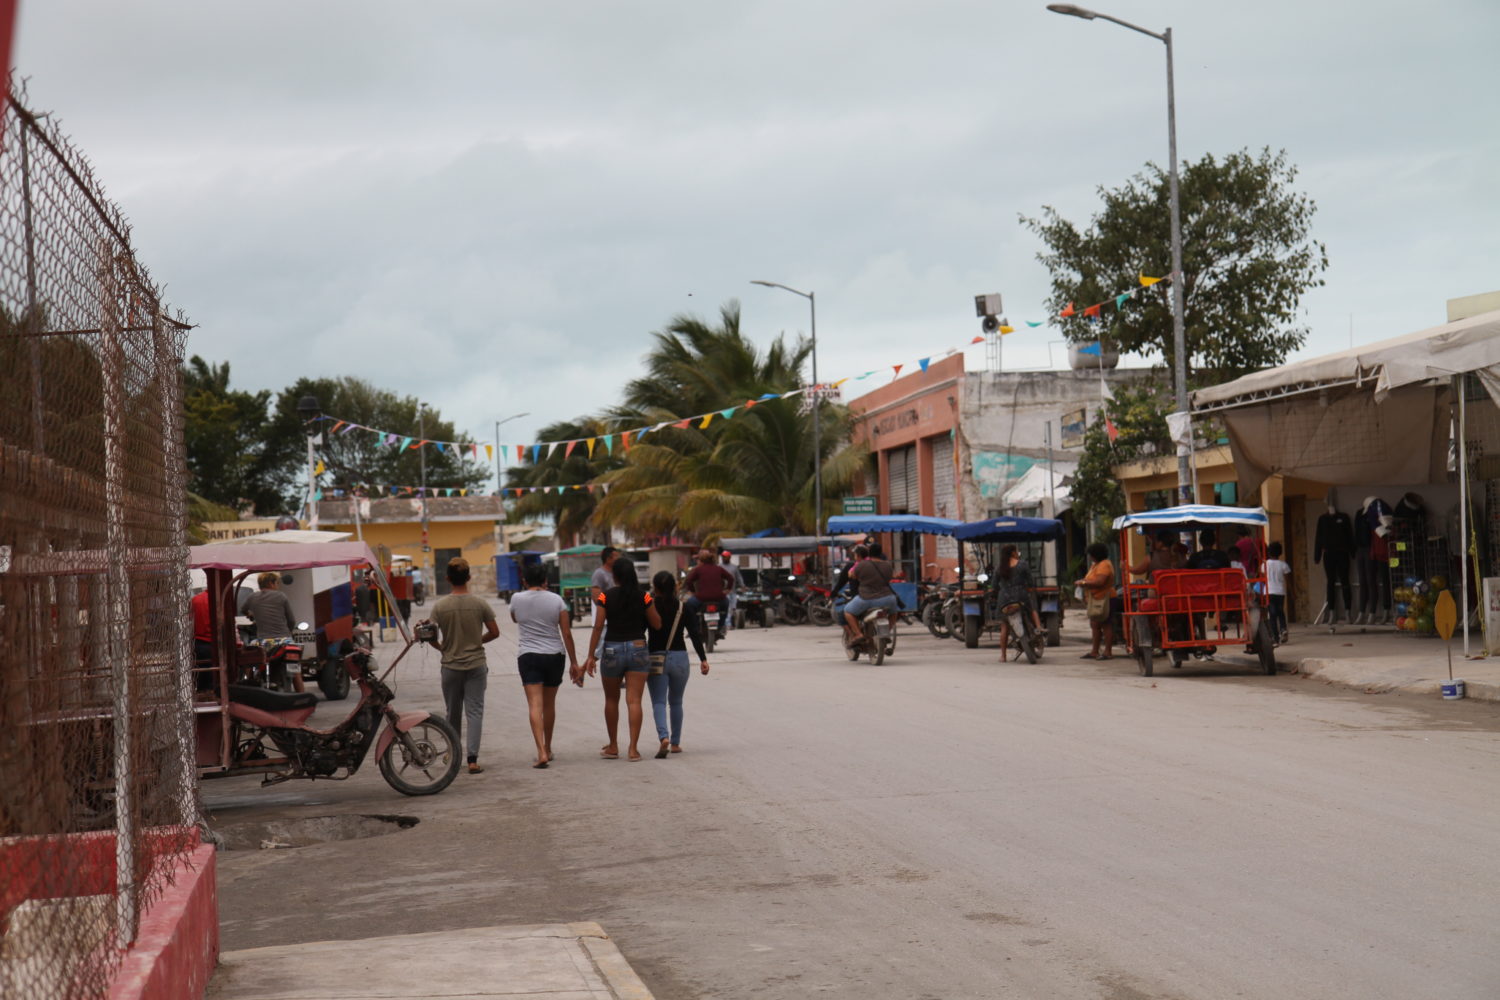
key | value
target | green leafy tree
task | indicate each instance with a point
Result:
(361, 458)
(1247, 258)
(234, 459)
(1136, 413)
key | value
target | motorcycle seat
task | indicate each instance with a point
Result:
(271, 701)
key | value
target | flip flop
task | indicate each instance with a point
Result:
(1090, 656)
(609, 756)
(1109, 657)
(539, 764)
(637, 758)
(663, 750)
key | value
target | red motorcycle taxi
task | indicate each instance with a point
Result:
(249, 728)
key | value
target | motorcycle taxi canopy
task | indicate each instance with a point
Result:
(260, 557)
(783, 545)
(1191, 517)
(1010, 529)
(870, 524)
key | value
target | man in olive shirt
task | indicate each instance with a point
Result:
(465, 623)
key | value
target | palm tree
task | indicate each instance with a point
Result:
(572, 507)
(751, 471)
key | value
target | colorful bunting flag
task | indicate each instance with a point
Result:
(977, 340)
(591, 446)
(569, 449)
(1147, 281)
(1092, 311)
(1109, 428)
(1033, 324)
(704, 422)
(1120, 300)
(923, 363)
(1067, 312)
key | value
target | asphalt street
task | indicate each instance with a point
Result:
(943, 826)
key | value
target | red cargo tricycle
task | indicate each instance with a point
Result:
(1193, 612)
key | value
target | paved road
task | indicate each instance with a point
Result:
(942, 827)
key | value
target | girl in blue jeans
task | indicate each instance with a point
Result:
(667, 687)
(622, 615)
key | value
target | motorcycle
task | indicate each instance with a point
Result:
(1025, 637)
(713, 623)
(877, 639)
(790, 602)
(932, 607)
(819, 605)
(417, 752)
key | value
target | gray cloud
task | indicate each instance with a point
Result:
(491, 205)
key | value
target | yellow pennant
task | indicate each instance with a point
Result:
(704, 422)
(489, 452)
(591, 446)
(1147, 281)
(320, 468)
(1007, 329)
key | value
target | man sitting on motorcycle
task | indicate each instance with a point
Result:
(1013, 585)
(871, 574)
(273, 616)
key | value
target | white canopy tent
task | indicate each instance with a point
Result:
(1372, 414)
(1042, 486)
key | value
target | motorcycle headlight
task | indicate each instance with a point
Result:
(983, 578)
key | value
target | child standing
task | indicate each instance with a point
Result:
(1277, 572)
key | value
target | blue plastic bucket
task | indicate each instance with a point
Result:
(1453, 690)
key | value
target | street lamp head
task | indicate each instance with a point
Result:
(309, 409)
(768, 284)
(1072, 10)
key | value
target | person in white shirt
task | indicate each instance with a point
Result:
(1277, 573)
(546, 633)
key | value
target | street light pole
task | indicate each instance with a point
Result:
(500, 545)
(812, 303)
(422, 458)
(1179, 336)
(310, 410)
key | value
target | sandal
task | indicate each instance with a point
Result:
(1090, 656)
(476, 769)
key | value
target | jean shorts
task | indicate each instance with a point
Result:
(621, 658)
(859, 605)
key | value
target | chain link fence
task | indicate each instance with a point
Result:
(97, 783)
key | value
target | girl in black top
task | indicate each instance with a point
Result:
(668, 686)
(621, 616)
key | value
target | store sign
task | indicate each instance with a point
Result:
(858, 506)
(1073, 426)
(900, 420)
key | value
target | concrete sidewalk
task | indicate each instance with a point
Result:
(1378, 658)
(536, 962)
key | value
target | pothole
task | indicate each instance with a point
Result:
(283, 833)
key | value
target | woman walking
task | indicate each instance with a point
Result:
(1013, 586)
(668, 686)
(546, 634)
(1098, 592)
(621, 616)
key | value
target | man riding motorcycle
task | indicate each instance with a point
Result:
(871, 574)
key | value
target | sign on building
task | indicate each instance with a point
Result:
(1074, 424)
(858, 506)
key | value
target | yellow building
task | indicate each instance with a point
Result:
(467, 527)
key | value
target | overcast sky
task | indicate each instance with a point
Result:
(491, 205)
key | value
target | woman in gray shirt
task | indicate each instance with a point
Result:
(546, 632)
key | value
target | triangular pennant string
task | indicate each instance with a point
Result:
(591, 446)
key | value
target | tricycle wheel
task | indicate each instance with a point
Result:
(423, 760)
(1141, 633)
(333, 679)
(1265, 647)
(972, 628)
(767, 616)
(953, 618)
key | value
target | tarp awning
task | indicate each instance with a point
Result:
(1041, 483)
(265, 556)
(1009, 529)
(875, 523)
(1467, 345)
(791, 543)
(1191, 517)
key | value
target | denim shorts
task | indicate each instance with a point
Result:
(859, 605)
(621, 658)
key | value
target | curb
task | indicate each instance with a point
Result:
(611, 964)
(1356, 674)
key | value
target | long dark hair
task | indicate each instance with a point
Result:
(1004, 568)
(664, 586)
(623, 571)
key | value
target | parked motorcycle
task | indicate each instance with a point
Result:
(417, 752)
(790, 602)
(1025, 637)
(877, 639)
(819, 605)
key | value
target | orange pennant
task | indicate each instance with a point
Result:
(1068, 311)
(977, 340)
(1091, 311)
(569, 449)
(897, 368)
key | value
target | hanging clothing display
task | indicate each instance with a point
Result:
(1333, 547)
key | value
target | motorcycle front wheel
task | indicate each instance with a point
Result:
(820, 610)
(428, 764)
